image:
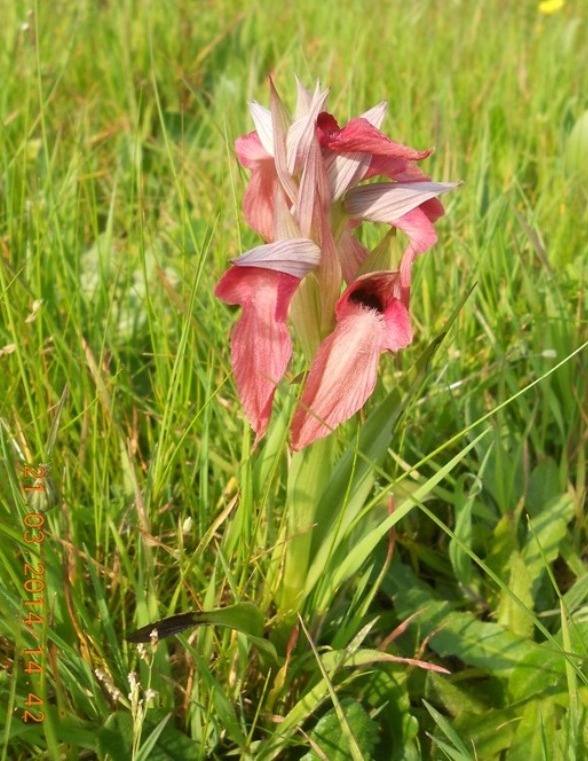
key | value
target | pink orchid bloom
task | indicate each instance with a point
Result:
(371, 320)
(305, 200)
(260, 343)
(351, 154)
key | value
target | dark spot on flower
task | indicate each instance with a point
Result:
(327, 124)
(368, 299)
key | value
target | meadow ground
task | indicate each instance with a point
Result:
(120, 206)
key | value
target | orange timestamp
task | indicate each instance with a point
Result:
(35, 604)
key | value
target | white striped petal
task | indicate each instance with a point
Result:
(345, 170)
(388, 201)
(294, 256)
(375, 115)
(262, 118)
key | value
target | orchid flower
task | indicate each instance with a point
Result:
(371, 319)
(305, 199)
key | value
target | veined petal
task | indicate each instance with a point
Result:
(281, 123)
(262, 118)
(305, 99)
(314, 193)
(352, 254)
(293, 256)
(398, 169)
(388, 201)
(301, 134)
(260, 343)
(355, 152)
(260, 198)
(375, 115)
(359, 135)
(345, 170)
(285, 221)
(344, 371)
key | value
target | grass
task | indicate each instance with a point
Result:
(120, 205)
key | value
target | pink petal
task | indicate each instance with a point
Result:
(249, 150)
(358, 135)
(259, 201)
(344, 371)
(326, 127)
(258, 204)
(260, 343)
(398, 169)
(418, 225)
(303, 98)
(347, 169)
(358, 146)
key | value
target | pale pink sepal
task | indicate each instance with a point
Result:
(388, 201)
(260, 195)
(294, 256)
(352, 254)
(281, 123)
(301, 133)
(370, 320)
(345, 170)
(303, 98)
(314, 196)
(249, 150)
(375, 115)
(262, 118)
(260, 343)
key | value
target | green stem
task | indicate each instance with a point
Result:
(309, 472)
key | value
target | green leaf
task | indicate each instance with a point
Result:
(535, 733)
(543, 669)
(243, 617)
(305, 507)
(546, 532)
(465, 497)
(489, 733)
(478, 643)
(329, 739)
(345, 567)
(510, 613)
(456, 748)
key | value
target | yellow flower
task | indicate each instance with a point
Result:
(548, 7)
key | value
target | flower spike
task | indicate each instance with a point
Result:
(306, 197)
